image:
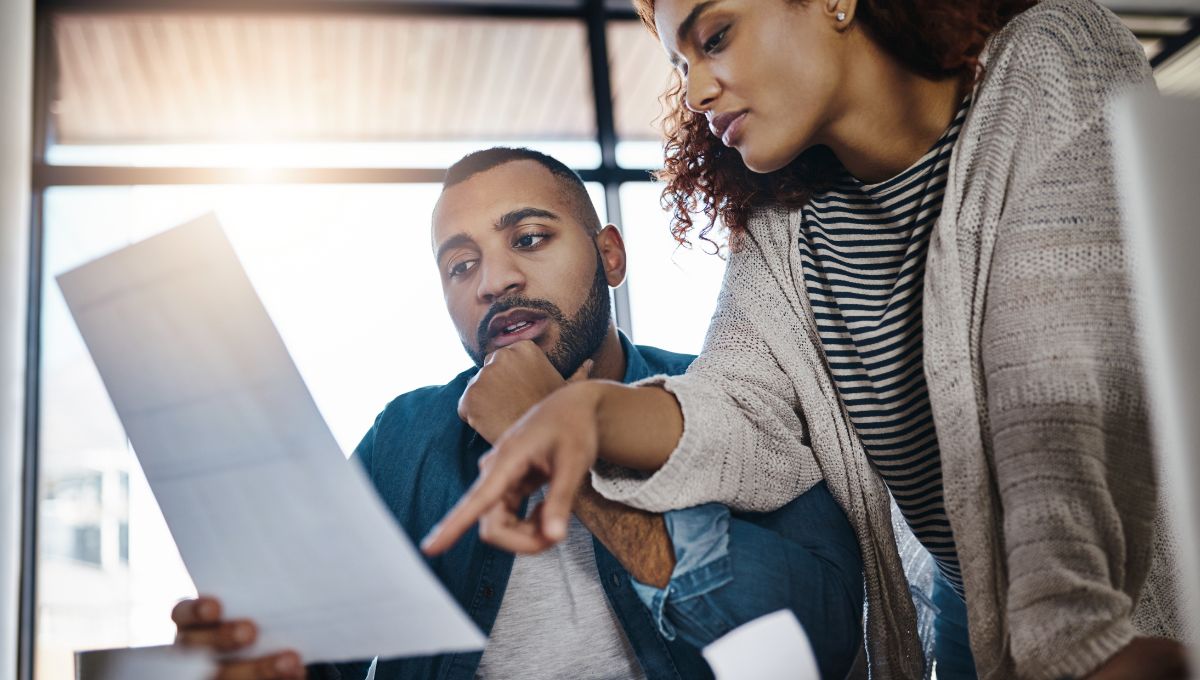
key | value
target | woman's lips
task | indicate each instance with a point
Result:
(733, 129)
(530, 330)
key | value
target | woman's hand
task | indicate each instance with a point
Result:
(1145, 658)
(557, 442)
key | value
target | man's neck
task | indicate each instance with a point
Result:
(610, 358)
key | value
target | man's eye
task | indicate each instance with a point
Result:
(714, 43)
(460, 268)
(529, 240)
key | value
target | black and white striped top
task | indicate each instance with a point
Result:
(863, 250)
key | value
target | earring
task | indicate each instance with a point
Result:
(841, 16)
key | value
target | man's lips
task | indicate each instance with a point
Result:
(726, 125)
(515, 326)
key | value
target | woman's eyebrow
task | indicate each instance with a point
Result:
(689, 21)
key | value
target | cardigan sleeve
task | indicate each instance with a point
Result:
(1066, 404)
(744, 443)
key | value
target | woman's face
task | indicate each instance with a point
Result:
(764, 72)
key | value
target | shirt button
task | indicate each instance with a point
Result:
(616, 580)
(488, 592)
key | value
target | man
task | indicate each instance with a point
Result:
(526, 268)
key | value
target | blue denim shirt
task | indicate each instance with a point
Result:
(422, 458)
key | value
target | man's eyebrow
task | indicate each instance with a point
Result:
(512, 218)
(452, 242)
(689, 21)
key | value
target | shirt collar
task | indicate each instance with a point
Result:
(635, 365)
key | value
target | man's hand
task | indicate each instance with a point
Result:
(555, 442)
(198, 624)
(512, 380)
(1145, 658)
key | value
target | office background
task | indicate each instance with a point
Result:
(317, 130)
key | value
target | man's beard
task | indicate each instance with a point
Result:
(579, 337)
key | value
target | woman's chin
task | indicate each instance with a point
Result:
(762, 161)
(762, 164)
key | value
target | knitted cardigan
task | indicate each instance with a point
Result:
(1031, 357)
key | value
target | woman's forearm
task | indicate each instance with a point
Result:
(639, 427)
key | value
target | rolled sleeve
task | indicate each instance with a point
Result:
(700, 536)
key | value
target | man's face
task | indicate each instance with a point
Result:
(516, 264)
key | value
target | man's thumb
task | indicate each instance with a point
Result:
(582, 373)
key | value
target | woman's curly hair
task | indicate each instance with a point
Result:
(934, 38)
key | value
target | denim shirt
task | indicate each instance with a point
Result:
(422, 458)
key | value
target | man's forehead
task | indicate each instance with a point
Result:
(482, 199)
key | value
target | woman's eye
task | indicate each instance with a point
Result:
(714, 43)
(460, 268)
(529, 240)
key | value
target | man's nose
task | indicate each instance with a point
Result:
(499, 279)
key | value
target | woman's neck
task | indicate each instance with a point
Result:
(889, 116)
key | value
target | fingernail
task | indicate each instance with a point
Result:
(285, 663)
(207, 610)
(556, 529)
(242, 633)
(431, 536)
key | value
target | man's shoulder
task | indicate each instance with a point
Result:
(662, 361)
(426, 403)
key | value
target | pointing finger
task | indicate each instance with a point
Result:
(489, 489)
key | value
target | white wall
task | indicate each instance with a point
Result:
(16, 78)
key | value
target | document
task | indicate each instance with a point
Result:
(267, 513)
(771, 647)
(144, 663)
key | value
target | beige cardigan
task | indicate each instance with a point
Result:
(1030, 356)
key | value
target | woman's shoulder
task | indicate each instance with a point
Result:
(1066, 42)
(768, 228)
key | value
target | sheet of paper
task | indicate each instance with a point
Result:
(144, 663)
(771, 647)
(264, 508)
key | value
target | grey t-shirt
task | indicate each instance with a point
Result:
(555, 620)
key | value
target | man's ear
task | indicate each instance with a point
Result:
(612, 254)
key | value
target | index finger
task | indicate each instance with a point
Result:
(484, 493)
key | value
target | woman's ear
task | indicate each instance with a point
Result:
(841, 12)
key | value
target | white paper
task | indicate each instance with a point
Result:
(266, 512)
(771, 647)
(144, 663)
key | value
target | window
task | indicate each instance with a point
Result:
(641, 74)
(348, 278)
(672, 288)
(318, 140)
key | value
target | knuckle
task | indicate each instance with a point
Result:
(487, 530)
(265, 667)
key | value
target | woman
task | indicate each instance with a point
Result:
(926, 300)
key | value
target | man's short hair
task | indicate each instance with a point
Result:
(481, 161)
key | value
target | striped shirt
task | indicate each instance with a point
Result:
(863, 249)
